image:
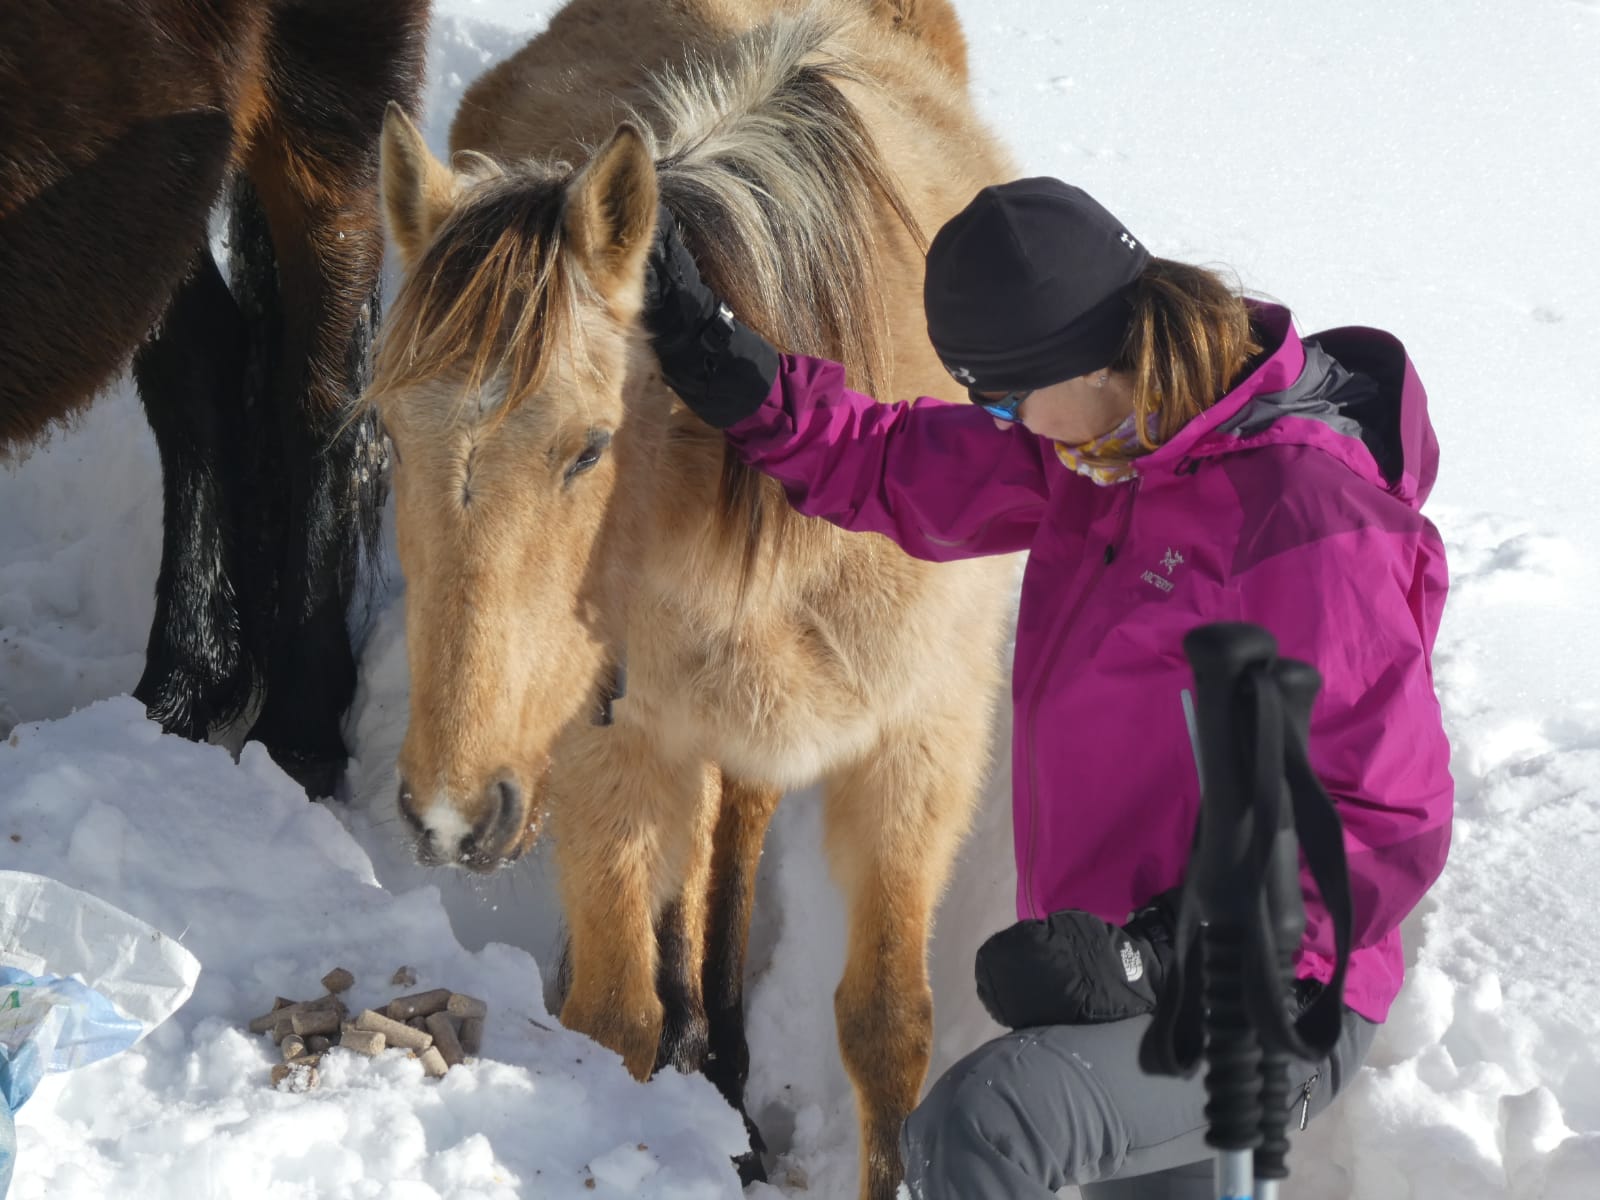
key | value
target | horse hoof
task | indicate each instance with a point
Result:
(190, 704)
(323, 778)
(750, 1168)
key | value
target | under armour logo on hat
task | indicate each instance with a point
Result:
(1128, 241)
(962, 375)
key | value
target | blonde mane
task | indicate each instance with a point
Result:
(776, 181)
(491, 295)
(773, 177)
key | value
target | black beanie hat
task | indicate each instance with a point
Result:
(1028, 285)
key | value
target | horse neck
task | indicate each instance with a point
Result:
(688, 548)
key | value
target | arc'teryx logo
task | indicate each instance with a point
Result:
(1169, 560)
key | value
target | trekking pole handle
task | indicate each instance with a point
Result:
(1222, 654)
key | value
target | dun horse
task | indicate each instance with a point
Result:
(121, 126)
(608, 621)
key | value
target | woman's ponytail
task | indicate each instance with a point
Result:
(1187, 344)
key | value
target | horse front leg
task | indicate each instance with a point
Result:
(199, 670)
(626, 826)
(319, 512)
(314, 162)
(681, 947)
(892, 827)
(743, 816)
(701, 937)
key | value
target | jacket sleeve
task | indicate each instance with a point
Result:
(1363, 606)
(940, 480)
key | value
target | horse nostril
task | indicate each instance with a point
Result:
(502, 811)
(510, 800)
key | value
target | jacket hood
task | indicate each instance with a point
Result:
(1351, 392)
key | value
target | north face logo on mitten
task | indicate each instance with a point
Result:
(1132, 963)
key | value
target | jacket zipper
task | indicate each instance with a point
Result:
(1305, 1098)
(1043, 675)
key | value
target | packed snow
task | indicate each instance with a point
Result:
(1426, 167)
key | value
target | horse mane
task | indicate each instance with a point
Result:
(491, 294)
(776, 182)
(775, 179)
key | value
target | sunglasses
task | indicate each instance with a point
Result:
(1004, 407)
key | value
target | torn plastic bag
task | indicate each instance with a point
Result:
(80, 980)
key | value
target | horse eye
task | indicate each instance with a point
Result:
(599, 439)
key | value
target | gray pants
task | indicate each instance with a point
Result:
(1036, 1110)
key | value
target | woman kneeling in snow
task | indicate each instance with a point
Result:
(1170, 454)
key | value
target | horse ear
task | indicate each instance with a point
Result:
(475, 164)
(418, 190)
(611, 209)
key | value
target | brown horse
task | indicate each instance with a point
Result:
(610, 622)
(122, 124)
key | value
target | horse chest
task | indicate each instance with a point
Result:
(783, 701)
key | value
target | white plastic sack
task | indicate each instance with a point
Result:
(80, 981)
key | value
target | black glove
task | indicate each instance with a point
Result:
(1076, 969)
(721, 367)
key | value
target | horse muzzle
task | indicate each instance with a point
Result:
(482, 836)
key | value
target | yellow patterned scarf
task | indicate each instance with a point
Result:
(1107, 458)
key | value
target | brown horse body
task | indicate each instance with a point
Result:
(124, 122)
(561, 517)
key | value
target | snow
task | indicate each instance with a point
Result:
(270, 893)
(1427, 167)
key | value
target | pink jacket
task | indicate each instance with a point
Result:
(1270, 508)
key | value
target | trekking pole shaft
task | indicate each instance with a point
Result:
(1234, 1178)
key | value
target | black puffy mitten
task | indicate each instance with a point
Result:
(1075, 969)
(721, 367)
